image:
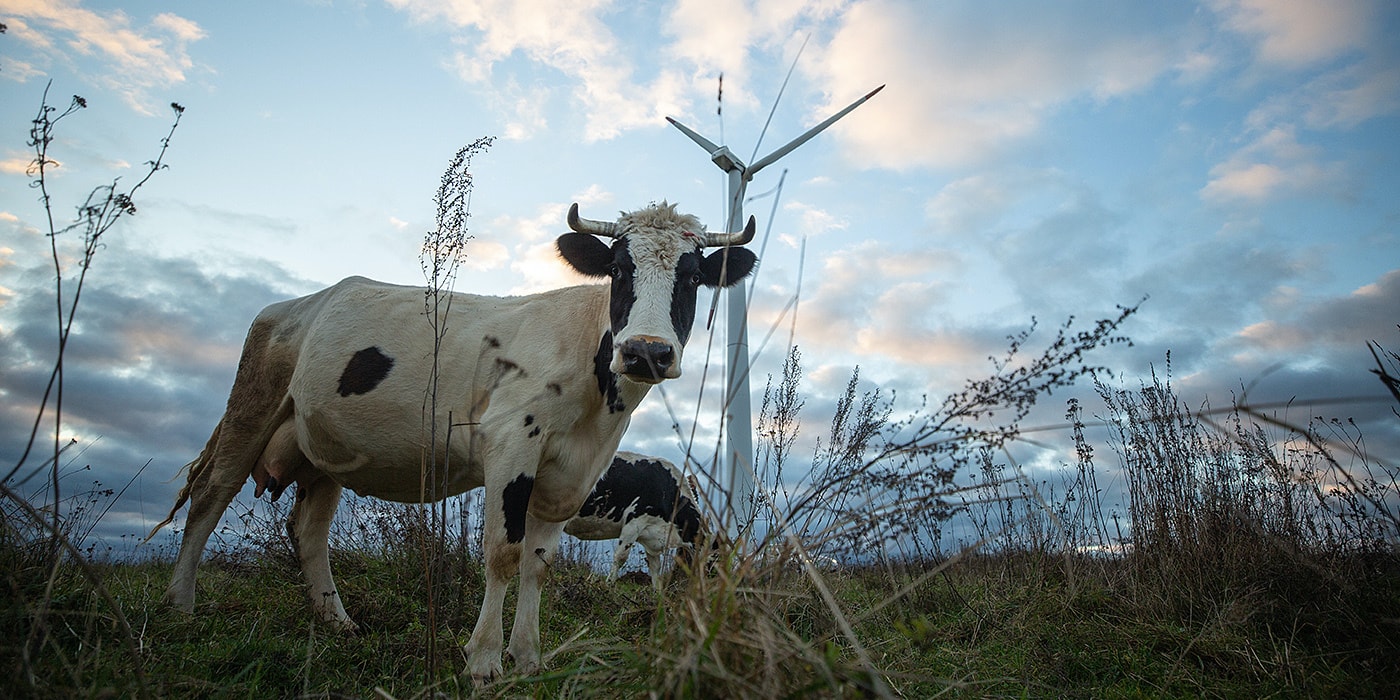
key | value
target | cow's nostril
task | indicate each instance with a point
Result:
(646, 358)
(664, 357)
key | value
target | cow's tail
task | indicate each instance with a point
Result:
(196, 469)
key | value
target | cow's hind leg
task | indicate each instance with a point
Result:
(309, 527)
(210, 495)
(655, 540)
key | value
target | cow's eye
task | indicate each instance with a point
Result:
(695, 280)
(614, 270)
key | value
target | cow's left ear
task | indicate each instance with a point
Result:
(737, 267)
(585, 253)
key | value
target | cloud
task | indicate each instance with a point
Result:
(485, 255)
(814, 220)
(527, 109)
(1367, 313)
(1357, 78)
(610, 83)
(882, 303)
(136, 61)
(1275, 164)
(1041, 227)
(1197, 288)
(148, 366)
(1243, 180)
(1239, 318)
(528, 244)
(1300, 32)
(1337, 99)
(16, 165)
(570, 38)
(541, 269)
(717, 37)
(1310, 354)
(966, 83)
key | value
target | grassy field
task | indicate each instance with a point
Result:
(1026, 625)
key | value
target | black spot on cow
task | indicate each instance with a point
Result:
(688, 279)
(534, 431)
(365, 370)
(722, 268)
(529, 419)
(592, 257)
(556, 388)
(491, 341)
(607, 381)
(515, 502)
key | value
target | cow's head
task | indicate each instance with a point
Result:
(657, 263)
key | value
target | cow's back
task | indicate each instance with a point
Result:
(268, 361)
(363, 375)
(634, 486)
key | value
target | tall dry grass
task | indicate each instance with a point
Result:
(43, 532)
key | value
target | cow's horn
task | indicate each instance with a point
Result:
(597, 228)
(717, 240)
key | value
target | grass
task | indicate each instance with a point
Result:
(995, 626)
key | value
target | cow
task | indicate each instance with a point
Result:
(641, 499)
(534, 393)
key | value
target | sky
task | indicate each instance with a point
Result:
(1233, 165)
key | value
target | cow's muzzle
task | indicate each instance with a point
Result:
(648, 359)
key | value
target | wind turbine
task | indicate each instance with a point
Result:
(737, 478)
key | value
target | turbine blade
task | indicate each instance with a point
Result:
(775, 155)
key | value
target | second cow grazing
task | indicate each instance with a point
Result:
(645, 500)
(330, 392)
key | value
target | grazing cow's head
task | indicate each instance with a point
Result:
(656, 262)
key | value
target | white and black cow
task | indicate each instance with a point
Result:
(330, 393)
(646, 500)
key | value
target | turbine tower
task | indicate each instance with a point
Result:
(737, 478)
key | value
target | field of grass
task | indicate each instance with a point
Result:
(1025, 625)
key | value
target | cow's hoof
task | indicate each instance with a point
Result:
(184, 604)
(484, 671)
(527, 667)
(481, 680)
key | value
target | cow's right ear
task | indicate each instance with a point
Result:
(585, 253)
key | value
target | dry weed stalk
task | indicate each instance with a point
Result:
(104, 206)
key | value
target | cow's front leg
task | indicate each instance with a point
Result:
(506, 502)
(309, 526)
(626, 539)
(537, 551)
